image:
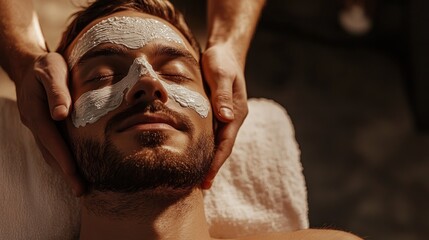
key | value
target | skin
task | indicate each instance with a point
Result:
(41, 81)
(159, 211)
(118, 65)
(168, 214)
(41, 77)
(231, 25)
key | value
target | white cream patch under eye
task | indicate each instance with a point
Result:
(93, 105)
(131, 32)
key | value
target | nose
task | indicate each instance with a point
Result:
(147, 89)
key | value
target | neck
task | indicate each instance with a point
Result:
(148, 215)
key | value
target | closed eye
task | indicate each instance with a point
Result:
(175, 77)
(101, 78)
(104, 78)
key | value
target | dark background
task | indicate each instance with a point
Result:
(359, 105)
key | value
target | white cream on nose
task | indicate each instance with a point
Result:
(93, 105)
(133, 33)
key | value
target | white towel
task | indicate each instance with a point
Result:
(259, 189)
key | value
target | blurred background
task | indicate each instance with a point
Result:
(354, 79)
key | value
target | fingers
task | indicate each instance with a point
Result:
(222, 100)
(223, 150)
(226, 133)
(33, 96)
(47, 156)
(75, 183)
(229, 99)
(51, 71)
(220, 75)
(56, 153)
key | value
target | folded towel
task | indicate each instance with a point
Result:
(35, 202)
(259, 189)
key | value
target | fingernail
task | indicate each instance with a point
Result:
(59, 111)
(226, 113)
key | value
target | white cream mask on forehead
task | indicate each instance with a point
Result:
(132, 32)
(92, 105)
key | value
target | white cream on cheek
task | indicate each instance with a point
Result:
(93, 105)
(134, 33)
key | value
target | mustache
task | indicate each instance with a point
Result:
(154, 107)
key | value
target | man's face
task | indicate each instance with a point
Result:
(141, 117)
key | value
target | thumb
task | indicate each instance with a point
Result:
(220, 75)
(51, 71)
(222, 100)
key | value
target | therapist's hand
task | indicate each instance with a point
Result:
(225, 76)
(43, 96)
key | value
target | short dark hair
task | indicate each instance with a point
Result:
(101, 8)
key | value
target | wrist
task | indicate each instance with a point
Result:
(230, 47)
(218, 37)
(232, 23)
(22, 41)
(21, 60)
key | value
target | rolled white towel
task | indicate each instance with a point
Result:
(35, 202)
(260, 188)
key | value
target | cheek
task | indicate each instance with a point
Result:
(188, 98)
(204, 125)
(93, 131)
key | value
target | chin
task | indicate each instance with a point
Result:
(148, 161)
(134, 141)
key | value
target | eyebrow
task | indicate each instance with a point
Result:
(106, 50)
(175, 52)
(120, 50)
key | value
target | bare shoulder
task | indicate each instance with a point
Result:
(308, 234)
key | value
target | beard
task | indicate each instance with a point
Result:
(106, 169)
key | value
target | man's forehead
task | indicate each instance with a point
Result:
(128, 28)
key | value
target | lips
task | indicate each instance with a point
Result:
(149, 121)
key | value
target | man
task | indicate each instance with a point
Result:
(142, 128)
(41, 80)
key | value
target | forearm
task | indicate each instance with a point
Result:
(233, 22)
(21, 40)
